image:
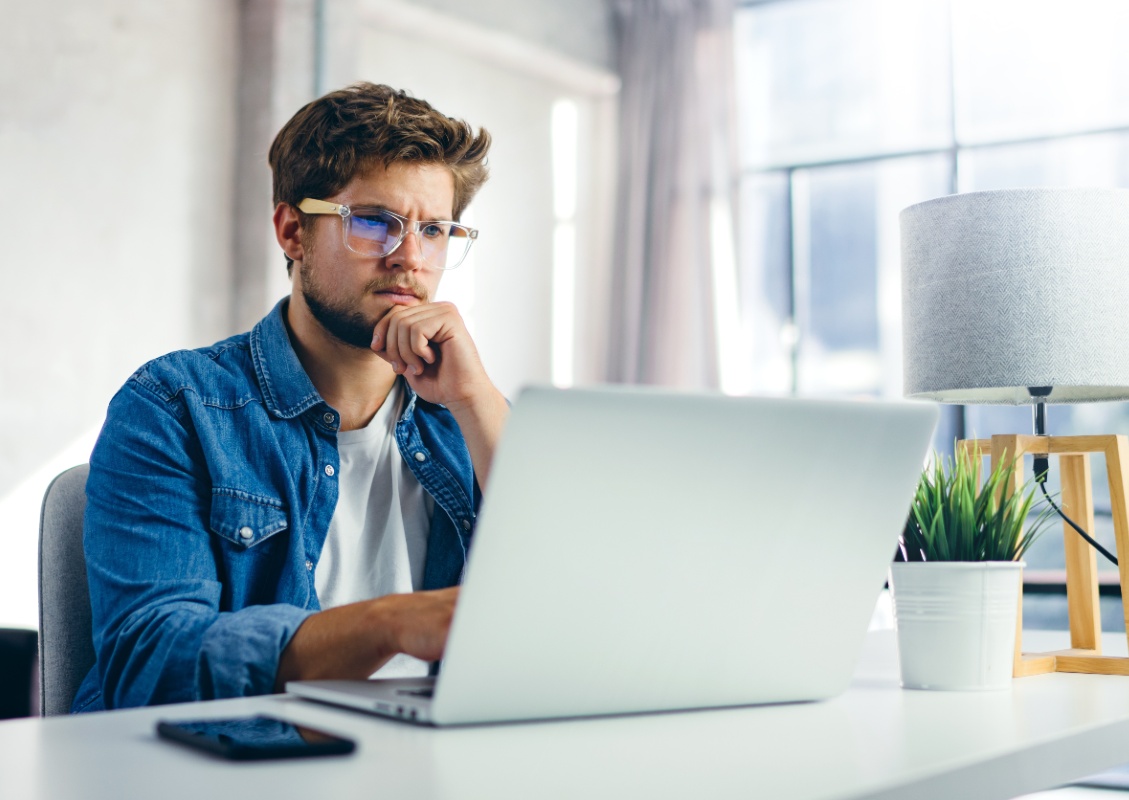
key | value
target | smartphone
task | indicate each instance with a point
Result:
(251, 738)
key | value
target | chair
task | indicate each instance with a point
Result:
(66, 647)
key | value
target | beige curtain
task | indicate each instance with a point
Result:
(677, 172)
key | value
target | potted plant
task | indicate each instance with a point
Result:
(957, 583)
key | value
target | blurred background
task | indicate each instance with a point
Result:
(695, 193)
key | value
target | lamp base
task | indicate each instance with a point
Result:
(1073, 454)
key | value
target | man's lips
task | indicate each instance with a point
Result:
(398, 294)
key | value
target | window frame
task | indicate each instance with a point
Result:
(954, 417)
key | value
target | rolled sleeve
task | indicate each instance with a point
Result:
(240, 650)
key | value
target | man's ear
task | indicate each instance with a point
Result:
(289, 232)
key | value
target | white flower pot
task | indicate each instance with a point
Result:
(956, 623)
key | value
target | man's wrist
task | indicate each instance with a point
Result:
(481, 420)
(487, 402)
(380, 624)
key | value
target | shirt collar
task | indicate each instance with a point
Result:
(287, 389)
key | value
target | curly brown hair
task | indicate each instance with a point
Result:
(333, 139)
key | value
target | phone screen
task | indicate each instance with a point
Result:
(248, 738)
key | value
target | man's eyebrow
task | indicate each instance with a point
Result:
(370, 206)
(378, 207)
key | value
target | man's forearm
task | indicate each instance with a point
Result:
(355, 640)
(349, 641)
(481, 423)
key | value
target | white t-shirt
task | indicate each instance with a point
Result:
(377, 539)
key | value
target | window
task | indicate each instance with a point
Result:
(851, 110)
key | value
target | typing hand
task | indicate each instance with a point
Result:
(419, 622)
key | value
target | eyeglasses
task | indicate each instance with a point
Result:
(370, 231)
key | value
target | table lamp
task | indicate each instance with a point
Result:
(1017, 297)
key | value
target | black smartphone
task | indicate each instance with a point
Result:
(250, 738)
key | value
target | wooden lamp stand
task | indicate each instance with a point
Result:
(1073, 453)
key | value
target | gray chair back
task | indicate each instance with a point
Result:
(66, 647)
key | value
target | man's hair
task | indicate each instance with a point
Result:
(347, 132)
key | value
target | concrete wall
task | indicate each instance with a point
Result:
(116, 164)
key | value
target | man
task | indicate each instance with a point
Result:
(297, 501)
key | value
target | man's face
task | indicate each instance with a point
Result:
(348, 293)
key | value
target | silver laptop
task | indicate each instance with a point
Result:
(640, 550)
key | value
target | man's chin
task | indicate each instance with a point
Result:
(358, 337)
(351, 328)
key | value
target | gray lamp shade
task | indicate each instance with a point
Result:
(1010, 289)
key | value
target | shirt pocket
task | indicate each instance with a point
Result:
(246, 519)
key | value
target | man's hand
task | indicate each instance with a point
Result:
(419, 622)
(356, 640)
(429, 345)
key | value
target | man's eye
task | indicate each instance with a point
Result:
(373, 227)
(434, 230)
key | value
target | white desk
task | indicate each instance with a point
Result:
(875, 741)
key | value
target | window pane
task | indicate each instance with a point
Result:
(765, 283)
(1024, 68)
(825, 79)
(1098, 160)
(848, 270)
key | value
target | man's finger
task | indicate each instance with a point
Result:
(421, 346)
(412, 361)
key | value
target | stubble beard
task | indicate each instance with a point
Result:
(347, 325)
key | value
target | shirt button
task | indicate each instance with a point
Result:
(327, 418)
(309, 565)
(329, 470)
(421, 457)
(466, 524)
(245, 533)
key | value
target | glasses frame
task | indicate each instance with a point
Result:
(317, 207)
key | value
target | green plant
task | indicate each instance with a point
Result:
(954, 518)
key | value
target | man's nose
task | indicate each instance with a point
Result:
(408, 256)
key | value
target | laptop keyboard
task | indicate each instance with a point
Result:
(425, 692)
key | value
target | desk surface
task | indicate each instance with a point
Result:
(874, 741)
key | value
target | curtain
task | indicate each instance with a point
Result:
(676, 174)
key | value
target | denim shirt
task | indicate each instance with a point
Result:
(211, 489)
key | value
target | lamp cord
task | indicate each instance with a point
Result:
(1042, 465)
(1073, 524)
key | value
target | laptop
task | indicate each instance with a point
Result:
(640, 550)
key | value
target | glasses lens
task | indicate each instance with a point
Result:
(372, 232)
(444, 244)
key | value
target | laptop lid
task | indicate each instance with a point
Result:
(641, 550)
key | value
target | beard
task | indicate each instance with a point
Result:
(343, 322)
(348, 326)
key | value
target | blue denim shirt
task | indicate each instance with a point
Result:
(210, 494)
